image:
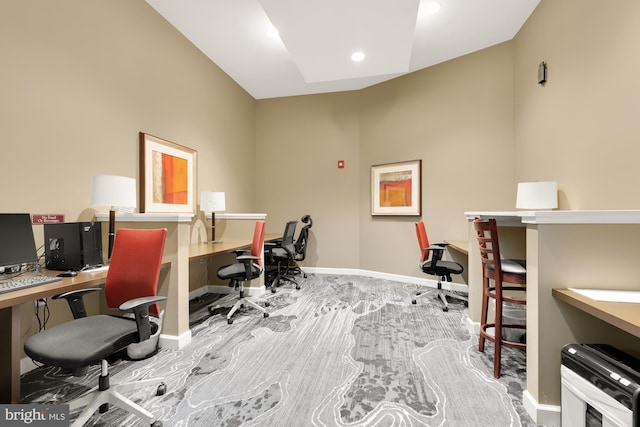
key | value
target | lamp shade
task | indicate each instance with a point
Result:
(212, 201)
(537, 195)
(113, 191)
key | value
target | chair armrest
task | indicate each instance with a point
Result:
(75, 299)
(439, 245)
(268, 246)
(437, 252)
(140, 309)
(239, 252)
(247, 260)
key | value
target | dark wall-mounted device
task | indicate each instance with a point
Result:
(542, 73)
(73, 245)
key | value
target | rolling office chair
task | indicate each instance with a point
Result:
(301, 246)
(281, 256)
(431, 262)
(500, 271)
(248, 268)
(88, 340)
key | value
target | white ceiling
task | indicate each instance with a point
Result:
(312, 51)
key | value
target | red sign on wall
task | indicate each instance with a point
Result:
(47, 218)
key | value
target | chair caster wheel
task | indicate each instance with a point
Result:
(413, 301)
(305, 276)
(298, 287)
(273, 290)
(229, 321)
(445, 309)
(267, 303)
(266, 315)
(156, 424)
(162, 389)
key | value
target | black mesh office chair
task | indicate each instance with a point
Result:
(89, 340)
(280, 255)
(301, 246)
(431, 262)
(247, 268)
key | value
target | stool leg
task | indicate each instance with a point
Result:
(483, 314)
(497, 353)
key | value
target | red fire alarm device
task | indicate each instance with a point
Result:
(340, 164)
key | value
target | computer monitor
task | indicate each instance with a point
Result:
(17, 245)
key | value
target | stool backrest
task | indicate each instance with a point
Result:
(487, 233)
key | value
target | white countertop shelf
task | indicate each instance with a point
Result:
(148, 217)
(560, 216)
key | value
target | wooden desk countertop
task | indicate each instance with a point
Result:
(84, 279)
(623, 315)
(207, 249)
(459, 245)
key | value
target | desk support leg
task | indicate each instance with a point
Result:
(10, 360)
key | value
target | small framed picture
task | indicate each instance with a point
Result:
(167, 176)
(395, 188)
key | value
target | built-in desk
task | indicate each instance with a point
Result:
(205, 250)
(199, 251)
(596, 249)
(10, 331)
(461, 246)
(622, 315)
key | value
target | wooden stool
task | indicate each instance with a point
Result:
(499, 271)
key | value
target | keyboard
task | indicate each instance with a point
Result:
(9, 285)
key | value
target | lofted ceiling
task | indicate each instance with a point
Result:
(276, 48)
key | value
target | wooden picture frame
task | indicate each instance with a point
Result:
(167, 176)
(396, 188)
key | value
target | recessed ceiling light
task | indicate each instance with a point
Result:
(357, 56)
(433, 7)
(273, 32)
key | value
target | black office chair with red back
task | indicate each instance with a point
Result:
(89, 340)
(431, 262)
(248, 267)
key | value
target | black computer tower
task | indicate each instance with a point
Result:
(73, 245)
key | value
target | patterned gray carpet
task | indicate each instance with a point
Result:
(341, 351)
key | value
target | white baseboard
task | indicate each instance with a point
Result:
(173, 341)
(544, 415)
(27, 365)
(473, 327)
(251, 291)
(424, 281)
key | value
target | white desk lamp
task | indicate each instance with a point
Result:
(212, 201)
(537, 195)
(114, 192)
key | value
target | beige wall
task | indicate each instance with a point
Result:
(451, 116)
(81, 79)
(581, 129)
(299, 142)
(456, 117)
